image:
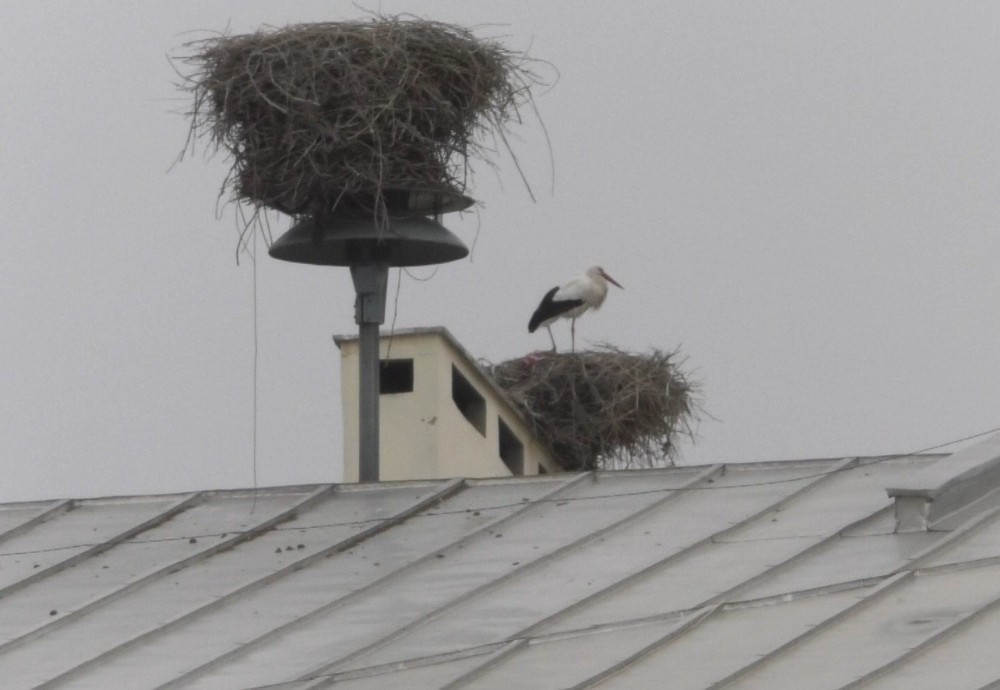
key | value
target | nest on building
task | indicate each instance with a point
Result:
(315, 113)
(603, 408)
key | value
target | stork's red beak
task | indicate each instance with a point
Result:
(611, 280)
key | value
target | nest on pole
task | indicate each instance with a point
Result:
(313, 112)
(604, 408)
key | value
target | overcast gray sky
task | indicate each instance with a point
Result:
(803, 196)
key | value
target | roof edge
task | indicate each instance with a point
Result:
(474, 363)
(402, 333)
(947, 486)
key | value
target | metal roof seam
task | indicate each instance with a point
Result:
(81, 610)
(501, 651)
(159, 629)
(100, 547)
(894, 577)
(959, 566)
(56, 508)
(448, 489)
(958, 534)
(466, 596)
(528, 632)
(349, 523)
(509, 649)
(250, 645)
(601, 628)
(848, 466)
(685, 552)
(697, 619)
(794, 558)
(733, 605)
(884, 586)
(929, 642)
(531, 630)
(808, 593)
(495, 650)
(887, 586)
(783, 597)
(751, 603)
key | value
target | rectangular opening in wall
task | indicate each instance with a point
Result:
(470, 403)
(511, 449)
(395, 376)
(541, 469)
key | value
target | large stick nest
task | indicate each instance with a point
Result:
(603, 408)
(311, 112)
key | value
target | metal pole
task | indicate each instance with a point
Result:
(370, 281)
(368, 391)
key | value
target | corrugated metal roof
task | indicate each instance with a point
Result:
(769, 575)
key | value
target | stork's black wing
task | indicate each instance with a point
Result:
(550, 308)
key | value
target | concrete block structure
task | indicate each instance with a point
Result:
(441, 415)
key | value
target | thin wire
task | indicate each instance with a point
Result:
(395, 311)
(256, 347)
(502, 506)
(395, 303)
(423, 280)
(475, 238)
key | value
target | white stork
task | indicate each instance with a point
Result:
(570, 301)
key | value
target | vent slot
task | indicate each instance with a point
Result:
(469, 402)
(511, 449)
(395, 376)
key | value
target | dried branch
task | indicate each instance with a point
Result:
(311, 112)
(603, 408)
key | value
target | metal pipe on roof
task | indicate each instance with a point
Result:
(369, 312)
(356, 235)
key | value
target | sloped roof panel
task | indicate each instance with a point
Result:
(429, 673)
(777, 575)
(904, 613)
(458, 572)
(979, 537)
(183, 605)
(68, 534)
(966, 659)
(545, 661)
(713, 643)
